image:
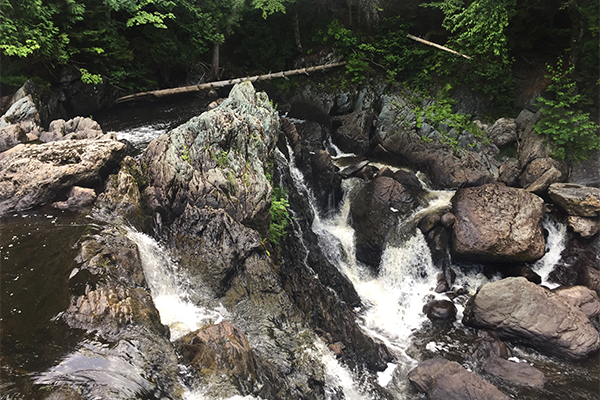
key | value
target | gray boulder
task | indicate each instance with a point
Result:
(441, 379)
(541, 173)
(217, 160)
(575, 199)
(519, 310)
(78, 199)
(509, 172)
(32, 175)
(503, 132)
(497, 223)
(582, 297)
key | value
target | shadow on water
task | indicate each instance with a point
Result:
(37, 249)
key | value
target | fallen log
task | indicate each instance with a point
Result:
(219, 84)
(428, 43)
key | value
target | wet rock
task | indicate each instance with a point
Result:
(353, 134)
(519, 310)
(448, 220)
(524, 271)
(586, 227)
(324, 180)
(503, 132)
(486, 345)
(32, 175)
(509, 172)
(373, 214)
(78, 199)
(579, 264)
(428, 222)
(401, 143)
(408, 179)
(221, 354)
(518, 373)
(291, 132)
(110, 298)
(351, 170)
(212, 246)
(497, 223)
(582, 297)
(441, 379)
(440, 310)
(217, 160)
(577, 200)
(385, 171)
(367, 172)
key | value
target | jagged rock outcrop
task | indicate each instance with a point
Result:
(20, 124)
(519, 310)
(497, 223)
(217, 160)
(441, 379)
(32, 175)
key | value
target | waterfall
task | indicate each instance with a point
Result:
(555, 244)
(171, 296)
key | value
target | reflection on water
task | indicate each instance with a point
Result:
(38, 250)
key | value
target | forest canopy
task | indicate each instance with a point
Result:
(147, 44)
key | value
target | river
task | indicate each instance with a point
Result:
(38, 250)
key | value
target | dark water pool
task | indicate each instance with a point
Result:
(37, 255)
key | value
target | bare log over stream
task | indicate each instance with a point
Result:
(218, 84)
(428, 43)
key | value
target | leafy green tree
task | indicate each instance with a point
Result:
(571, 131)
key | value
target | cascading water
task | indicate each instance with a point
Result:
(169, 292)
(555, 244)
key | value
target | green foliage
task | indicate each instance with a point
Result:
(90, 79)
(280, 216)
(185, 154)
(571, 131)
(269, 7)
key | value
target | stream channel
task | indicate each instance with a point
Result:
(38, 248)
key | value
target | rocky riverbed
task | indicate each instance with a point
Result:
(294, 316)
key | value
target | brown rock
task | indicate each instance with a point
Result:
(583, 201)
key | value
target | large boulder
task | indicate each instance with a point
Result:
(519, 373)
(497, 223)
(503, 132)
(353, 134)
(522, 311)
(217, 160)
(19, 124)
(374, 214)
(441, 379)
(32, 175)
(575, 199)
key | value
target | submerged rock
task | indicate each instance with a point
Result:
(441, 379)
(521, 311)
(496, 223)
(32, 175)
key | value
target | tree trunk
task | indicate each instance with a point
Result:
(212, 85)
(296, 24)
(577, 27)
(214, 69)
